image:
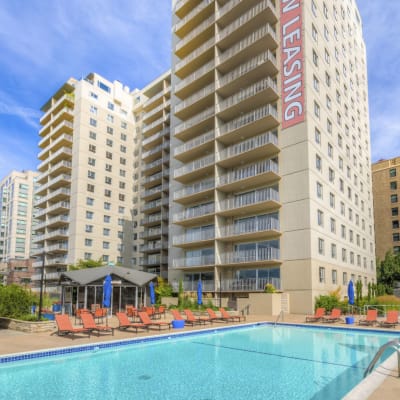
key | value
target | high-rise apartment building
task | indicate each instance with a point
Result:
(386, 191)
(271, 149)
(155, 175)
(17, 215)
(88, 175)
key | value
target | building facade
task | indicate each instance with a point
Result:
(271, 149)
(386, 193)
(87, 178)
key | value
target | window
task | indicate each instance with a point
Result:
(91, 174)
(315, 58)
(106, 219)
(109, 155)
(87, 256)
(345, 282)
(313, 8)
(317, 136)
(108, 180)
(319, 190)
(395, 212)
(109, 142)
(110, 106)
(93, 122)
(110, 130)
(107, 206)
(334, 276)
(332, 200)
(328, 102)
(92, 135)
(122, 148)
(92, 148)
(108, 168)
(121, 210)
(318, 162)
(110, 118)
(316, 109)
(329, 125)
(396, 237)
(395, 224)
(316, 83)
(124, 125)
(393, 198)
(321, 246)
(106, 231)
(89, 215)
(320, 218)
(333, 225)
(122, 160)
(88, 228)
(344, 255)
(327, 79)
(123, 137)
(88, 242)
(392, 172)
(321, 274)
(331, 175)
(121, 197)
(90, 188)
(107, 193)
(89, 201)
(92, 161)
(327, 57)
(106, 245)
(393, 185)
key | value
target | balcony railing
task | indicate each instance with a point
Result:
(195, 97)
(194, 54)
(60, 204)
(245, 256)
(194, 188)
(195, 165)
(194, 212)
(244, 94)
(67, 96)
(246, 67)
(197, 119)
(256, 225)
(244, 18)
(156, 136)
(63, 191)
(60, 218)
(195, 75)
(194, 261)
(193, 143)
(195, 32)
(249, 284)
(247, 119)
(151, 218)
(156, 149)
(191, 14)
(64, 150)
(258, 196)
(152, 164)
(248, 145)
(248, 172)
(156, 97)
(197, 236)
(61, 164)
(150, 192)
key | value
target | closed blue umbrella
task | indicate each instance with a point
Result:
(199, 293)
(152, 294)
(350, 293)
(107, 289)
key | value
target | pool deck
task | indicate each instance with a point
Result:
(19, 342)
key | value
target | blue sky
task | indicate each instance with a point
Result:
(44, 42)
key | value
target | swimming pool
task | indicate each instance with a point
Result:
(252, 362)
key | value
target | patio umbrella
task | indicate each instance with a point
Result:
(152, 294)
(199, 293)
(350, 293)
(107, 289)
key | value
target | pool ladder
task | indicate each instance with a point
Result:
(280, 316)
(395, 344)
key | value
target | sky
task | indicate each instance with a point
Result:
(45, 42)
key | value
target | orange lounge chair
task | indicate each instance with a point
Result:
(392, 319)
(125, 324)
(65, 327)
(178, 317)
(197, 320)
(144, 317)
(232, 318)
(335, 316)
(370, 319)
(89, 323)
(214, 316)
(319, 314)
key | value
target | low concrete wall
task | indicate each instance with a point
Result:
(264, 303)
(27, 326)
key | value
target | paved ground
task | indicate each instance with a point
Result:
(17, 342)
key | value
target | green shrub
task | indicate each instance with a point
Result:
(269, 288)
(327, 301)
(15, 301)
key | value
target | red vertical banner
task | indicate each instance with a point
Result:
(292, 61)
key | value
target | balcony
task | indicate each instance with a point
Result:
(254, 69)
(153, 193)
(189, 262)
(155, 153)
(66, 101)
(48, 275)
(56, 195)
(153, 233)
(153, 219)
(53, 222)
(155, 113)
(261, 200)
(155, 126)
(249, 124)
(196, 80)
(192, 239)
(195, 215)
(183, 7)
(153, 260)
(57, 208)
(152, 180)
(195, 147)
(155, 100)
(59, 155)
(62, 180)
(196, 169)
(195, 59)
(196, 102)
(195, 192)
(253, 96)
(152, 167)
(263, 256)
(154, 205)
(250, 230)
(153, 140)
(196, 124)
(191, 286)
(260, 146)
(252, 175)
(56, 261)
(61, 167)
(57, 234)
(155, 246)
(66, 113)
(63, 140)
(203, 32)
(249, 284)
(57, 248)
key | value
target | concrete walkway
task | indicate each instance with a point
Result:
(18, 342)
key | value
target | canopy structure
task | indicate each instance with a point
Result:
(84, 288)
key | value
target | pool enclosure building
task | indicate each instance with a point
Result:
(84, 288)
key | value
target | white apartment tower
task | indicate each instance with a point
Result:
(88, 206)
(16, 215)
(271, 150)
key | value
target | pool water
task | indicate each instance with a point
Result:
(257, 362)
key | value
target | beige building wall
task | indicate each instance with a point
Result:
(386, 193)
(89, 206)
(222, 52)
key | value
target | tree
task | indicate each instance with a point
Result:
(163, 289)
(15, 301)
(388, 271)
(83, 264)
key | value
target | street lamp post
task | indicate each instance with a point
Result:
(41, 289)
